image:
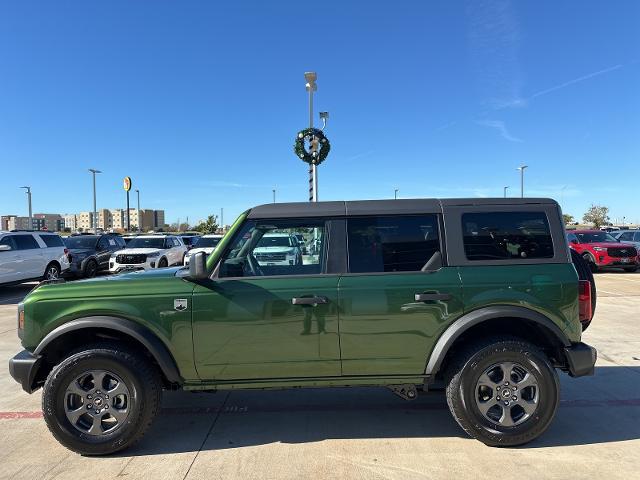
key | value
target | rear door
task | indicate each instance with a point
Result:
(31, 261)
(9, 266)
(398, 295)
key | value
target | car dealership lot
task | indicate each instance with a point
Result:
(352, 433)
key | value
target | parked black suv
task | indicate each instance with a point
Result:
(88, 254)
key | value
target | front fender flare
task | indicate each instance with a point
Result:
(146, 337)
(464, 323)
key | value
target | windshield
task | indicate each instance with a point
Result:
(81, 242)
(595, 237)
(268, 241)
(207, 242)
(140, 242)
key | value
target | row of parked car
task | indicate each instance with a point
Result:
(38, 255)
(602, 249)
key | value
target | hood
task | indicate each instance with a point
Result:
(206, 250)
(273, 250)
(150, 282)
(610, 244)
(137, 251)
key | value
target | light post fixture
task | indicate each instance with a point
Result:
(139, 221)
(95, 212)
(28, 192)
(274, 195)
(521, 168)
(395, 194)
(505, 190)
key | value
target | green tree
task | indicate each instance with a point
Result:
(567, 218)
(210, 225)
(597, 214)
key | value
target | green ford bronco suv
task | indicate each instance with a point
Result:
(478, 296)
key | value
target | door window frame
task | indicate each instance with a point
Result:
(327, 249)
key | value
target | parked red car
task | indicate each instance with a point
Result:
(600, 249)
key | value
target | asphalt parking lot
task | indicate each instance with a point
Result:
(359, 433)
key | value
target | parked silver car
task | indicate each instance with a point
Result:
(628, 236)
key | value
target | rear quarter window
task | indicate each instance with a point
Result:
(506, 236)
(52, 240)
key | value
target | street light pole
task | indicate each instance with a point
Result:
(95, 213)
(28, 192)
(274, 195)
(395, 194)
(505, 190)
(521, 168)
(311, 87)
(139, 221)
(222, 218)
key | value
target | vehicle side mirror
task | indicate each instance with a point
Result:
(198, 266)
(5, 248)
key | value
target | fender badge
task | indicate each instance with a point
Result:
(180, 304)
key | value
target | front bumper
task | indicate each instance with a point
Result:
(115, 267)
(607, 261)
(581, 359)
(23, 368)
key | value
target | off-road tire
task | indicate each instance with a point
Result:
(140, 376)
(462, 378)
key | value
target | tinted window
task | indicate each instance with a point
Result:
(264, 248)
(208, 242)
(52, 240)
(595, 237)
(7, 241)
(506, 235)
(25, 242)
(81, 241)
(142, 242)
(392, 244)
(625, 236)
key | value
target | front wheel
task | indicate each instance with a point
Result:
(503, 392)
(101, 400)
(163, 263)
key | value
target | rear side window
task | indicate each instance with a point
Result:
(506, 236)
(391, 244)
(52, 240)
(25, 242)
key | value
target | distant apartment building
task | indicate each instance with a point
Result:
(105, 219)
(18, 223)
(84, 221)
(47, 221)
(4, 221)
(117, 219)
(70, 221)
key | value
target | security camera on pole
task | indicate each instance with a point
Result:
(311, 145)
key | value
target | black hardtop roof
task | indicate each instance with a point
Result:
(381, 207)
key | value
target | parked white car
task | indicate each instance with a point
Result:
(278, 249)
(145, 252)
(27, 255)
(206, 244)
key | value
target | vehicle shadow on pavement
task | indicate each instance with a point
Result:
(12, 294)
(598, 409)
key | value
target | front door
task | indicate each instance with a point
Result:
(397, 298)
(269, 312)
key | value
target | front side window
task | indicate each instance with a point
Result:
(52, 240)
(506, 236)
(266, 248)
(146, 242)
(392, 244)
(595, 237)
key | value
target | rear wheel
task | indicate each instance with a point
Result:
(591, 262)
(503, 392)
(101, 400)
(52, 272)
(91, 269)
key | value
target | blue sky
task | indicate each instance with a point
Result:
(199, 102)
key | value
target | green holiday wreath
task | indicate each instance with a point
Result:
(312, 135)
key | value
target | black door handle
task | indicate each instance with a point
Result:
(309, 300)
(425, 297)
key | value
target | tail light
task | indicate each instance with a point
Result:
(66, 252)
(584, 300)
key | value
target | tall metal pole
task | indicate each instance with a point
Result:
(521, 168)
(505, 191)
(129, 214)
(95, 210)
(139, 222)
(222, 218)
(274, 195)
(395, 194)
(313, 171)
(28, 192)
